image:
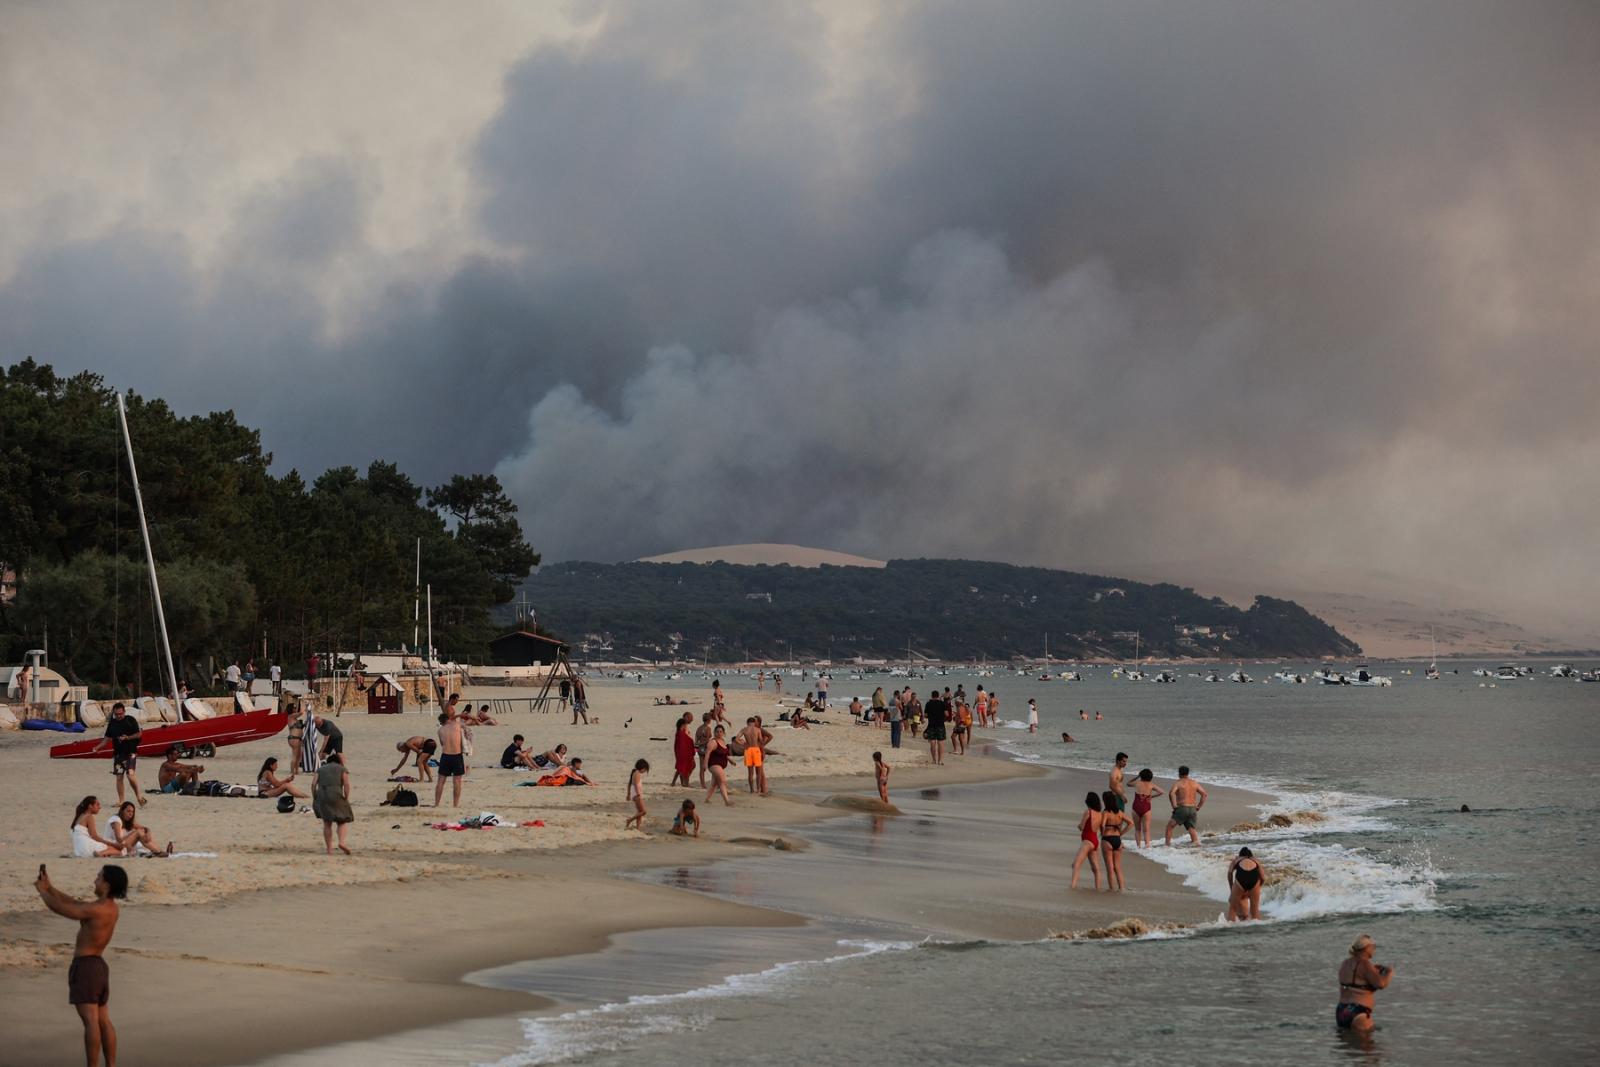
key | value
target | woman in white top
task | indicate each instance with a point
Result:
(134, 840)
(1033, 716)
(86, 842)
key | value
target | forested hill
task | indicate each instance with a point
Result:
(950, 610)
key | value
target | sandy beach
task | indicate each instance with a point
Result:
(272, 946)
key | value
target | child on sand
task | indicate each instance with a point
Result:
(881, 770)
(686, 818)
(636, 794)
(1033, 716)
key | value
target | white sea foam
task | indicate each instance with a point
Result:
(575, 1034)
(1311, 875)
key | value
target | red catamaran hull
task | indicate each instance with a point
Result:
(224, 730)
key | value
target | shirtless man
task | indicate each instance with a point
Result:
(172, 776)
(420, 747)
(1116, 781)
(88, 979)
(754, 738)
(452, 759)
(1187, 797)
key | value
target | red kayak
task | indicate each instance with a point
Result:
(189, 736)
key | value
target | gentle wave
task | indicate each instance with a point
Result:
(609, 1027)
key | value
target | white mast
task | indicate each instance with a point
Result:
(432, 684)
(150, 558)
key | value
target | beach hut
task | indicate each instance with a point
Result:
(384, 696)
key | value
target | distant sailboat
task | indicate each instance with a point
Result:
(1433, 664)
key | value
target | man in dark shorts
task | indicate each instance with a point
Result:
(452, 757)
(933, 731)
(1187, 797)
(1117, 771)
(88, 979)
(125, 734)
(333, 738)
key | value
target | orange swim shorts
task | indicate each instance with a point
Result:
(752, 757)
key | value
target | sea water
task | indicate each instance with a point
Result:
(1489, 917)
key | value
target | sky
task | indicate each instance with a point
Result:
(1294, 288)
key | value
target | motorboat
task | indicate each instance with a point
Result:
(1327, 677)
(1240, 676)
(1133, 676)
(1590, 676)
(1509, 672)
(1213, 676)
(1366, 677)
(1289, 677)
(1563, 670)
(1164, 676)
(1070, 676)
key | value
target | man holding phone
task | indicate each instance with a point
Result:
(88, 979)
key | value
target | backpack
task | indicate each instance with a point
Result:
(286, 804)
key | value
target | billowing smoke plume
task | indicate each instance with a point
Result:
(1294, 284)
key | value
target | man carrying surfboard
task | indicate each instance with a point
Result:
(88, 979)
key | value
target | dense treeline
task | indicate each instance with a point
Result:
(245, 557)
(952, 610)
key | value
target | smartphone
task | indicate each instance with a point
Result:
(41, 870)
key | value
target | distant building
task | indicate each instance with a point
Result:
(523, 649)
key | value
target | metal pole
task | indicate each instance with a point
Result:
(416, 605)
(150, 558)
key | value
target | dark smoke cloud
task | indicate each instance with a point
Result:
(1299, 284)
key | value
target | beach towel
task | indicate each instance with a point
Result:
(308, 748)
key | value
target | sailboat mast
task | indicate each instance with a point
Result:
(150, 558)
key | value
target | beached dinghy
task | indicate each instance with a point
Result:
(188, 736)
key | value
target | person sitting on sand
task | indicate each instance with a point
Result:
(172, 776)
(1359, 980)
(513, 756)
(1245, 879)
(422, 748)
(484, 718)
(135, 840)
(270, 785)
(1144, 790)
(798, 720)
(86, 840)
(686, 818)
(880, 772)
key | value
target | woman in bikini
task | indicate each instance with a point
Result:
(297, 734)
(717, 764)
(1245, 879)
(1112, 825)
(1359, 980)
(270, 785)
(1144, 789)
(1089, 832)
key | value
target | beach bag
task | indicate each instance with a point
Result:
(401, 797)
(213, 789)
(286, 804)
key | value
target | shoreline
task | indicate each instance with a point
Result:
(300, 955)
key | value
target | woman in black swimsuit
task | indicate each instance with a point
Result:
(717, 764)
(1245, 879)
(1112, 826)
(1359, 979)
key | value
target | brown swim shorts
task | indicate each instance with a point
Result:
(88, 981)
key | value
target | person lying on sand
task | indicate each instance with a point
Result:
(666, 701)
(134, 840)
(548, 760)
(421, 748)
(172, 776)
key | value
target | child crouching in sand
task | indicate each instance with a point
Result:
(687, 817)
(881, 770)
(636, 794)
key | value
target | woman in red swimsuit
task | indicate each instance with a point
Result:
(1089, 831)
(1144, 788)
